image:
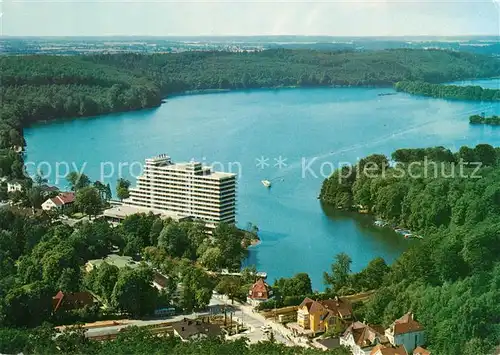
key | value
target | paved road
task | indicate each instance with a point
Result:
(241, 313)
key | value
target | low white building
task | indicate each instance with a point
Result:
(406, 331)
(59, 202)
(13, 186)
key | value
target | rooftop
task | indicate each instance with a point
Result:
(123, 211)
(116, 260)
(405, 324)
(188, 328)
(63, 198)
(365, 335)
(164, 161)
(388, 350)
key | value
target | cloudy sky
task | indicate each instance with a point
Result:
(256, 17)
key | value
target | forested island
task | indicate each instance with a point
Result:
(478, 119)
(442, 91)
(450, 279)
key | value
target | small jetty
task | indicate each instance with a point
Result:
(407, 234)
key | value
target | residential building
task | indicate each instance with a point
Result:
(61, 201)
(71, 300)
(362, 338)
(421, 351)
(389, 350)
(406, 331)
(186, 189)
(188, 329)
(318, 316)
(259, 292)
(13, 186)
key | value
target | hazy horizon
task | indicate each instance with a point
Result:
(222, 18)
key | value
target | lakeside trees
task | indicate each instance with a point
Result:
(443, 91)
(448, 279)
(478, 119)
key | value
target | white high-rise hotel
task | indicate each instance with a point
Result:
(186, 189)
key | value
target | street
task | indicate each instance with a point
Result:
(241, 313)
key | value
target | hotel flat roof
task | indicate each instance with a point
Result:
(123, 211)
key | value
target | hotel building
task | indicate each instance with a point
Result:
(185, 189)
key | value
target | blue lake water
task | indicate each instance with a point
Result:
(325, 126)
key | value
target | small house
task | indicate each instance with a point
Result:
(319, 316)
(66, 301)
(13, 186)
(189, 329)
(259, 292)
(59, 202)
(406, 331)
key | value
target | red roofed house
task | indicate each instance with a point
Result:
(259, 292)
(389, 350)
(60, 201)
(362, 338)
(71, 300)
(318, 316)
(406, 331)
(421, 351)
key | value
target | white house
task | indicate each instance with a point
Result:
(14, 186)
(59, 202)
(406, 331)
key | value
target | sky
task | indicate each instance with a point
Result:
(256, 17)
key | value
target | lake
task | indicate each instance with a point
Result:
(293, 137)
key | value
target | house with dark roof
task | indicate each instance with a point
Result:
(65, 301)
(60, 201)
(406, 331)
(362, 338)
(319, 316)
(259, 292)
(189, 329)
(327, 343)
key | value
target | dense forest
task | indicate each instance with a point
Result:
(470, 92)
(478, 119)
(39, 257)
(451, 279)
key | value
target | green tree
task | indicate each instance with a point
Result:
(122, 189)
(197, 287)
(88, 201)
(77, 180)
(339, 275)
(133, 292)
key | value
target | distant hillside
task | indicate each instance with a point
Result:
(280, 67)
(36, 88)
